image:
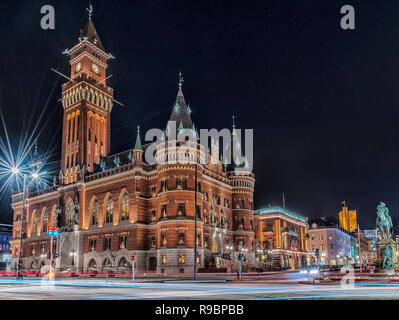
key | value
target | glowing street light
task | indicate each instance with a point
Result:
(14, 170)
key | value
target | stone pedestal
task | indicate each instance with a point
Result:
(381, 244)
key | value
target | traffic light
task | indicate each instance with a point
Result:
(52, 231)
(317, 252)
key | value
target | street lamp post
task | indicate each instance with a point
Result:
(20, 259)
(34, 175)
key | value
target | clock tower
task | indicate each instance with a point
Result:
(87, 103)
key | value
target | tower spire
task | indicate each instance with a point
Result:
(181, 80)
(234, 122)
(138, 140)
(90, 10)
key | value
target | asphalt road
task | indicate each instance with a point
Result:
(279, 286)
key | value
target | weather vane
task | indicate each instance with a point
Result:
(181, 80)
(90, 10)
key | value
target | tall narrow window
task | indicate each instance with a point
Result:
(164, 240)
(181, 239)
(77, 127)
(45, 221)
(93, 244)
(69, 131)
(181, 183)
(107, 244)
(164, 213)
(73, 129)
(94, 213)
(125, 206)
(34, 224)
(70, 214)
(123, 242)
(181, 209)
(109, 207)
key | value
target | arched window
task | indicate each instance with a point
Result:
(94, 212)
(125, 206)
(123, 263)
(34, 224)
(45, 221)
(69, 214)
(109, 209)
(54, 219)
(107, 263)
(93, 264)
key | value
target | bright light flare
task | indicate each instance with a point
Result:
(15, 170)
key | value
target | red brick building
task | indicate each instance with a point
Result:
(111, 207)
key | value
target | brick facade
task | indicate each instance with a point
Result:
(110, 207)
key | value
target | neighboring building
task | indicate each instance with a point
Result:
(111, 207)
(369, 254)
(281, 236)
(5, 248)
(334, 244)
(348, 219)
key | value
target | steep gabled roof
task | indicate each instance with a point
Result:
(89, 32)
(181, 112)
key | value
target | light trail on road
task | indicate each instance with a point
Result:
(94, 289)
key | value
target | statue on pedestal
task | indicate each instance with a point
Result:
(387, 255)
(386, 252)
(384, 222)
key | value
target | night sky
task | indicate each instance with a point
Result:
(323, 102)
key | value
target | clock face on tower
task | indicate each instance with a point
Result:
(78, 66)
(94, 67)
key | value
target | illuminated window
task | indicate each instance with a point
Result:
(163, 259)
(125, 207)
(181, 183)
(109, 207)
(107, 263)
(181, 258)
(181, 209)
(123, 263)
(123, 242)
(164, 185)
(93, 244)
(181, 239)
